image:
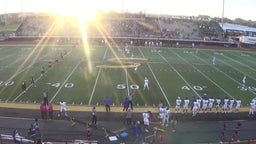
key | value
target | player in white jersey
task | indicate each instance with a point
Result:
(251, 109)
(199, 101)
(238, 105)
(177, 106)
(230, 106)
(225, 105)
(161, 113)
(167, 115)
(195, 108)
(213, 60)
(211, 102)
(146, 83)
(145, 116)
(244, 81)
(164, 116)
(185, 106)
(218, 102)
(205, 104)
(63, 108)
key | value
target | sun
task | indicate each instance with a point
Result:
(83, 10)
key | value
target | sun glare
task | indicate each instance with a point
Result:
(83, 10)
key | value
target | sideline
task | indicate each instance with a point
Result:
(88, 108)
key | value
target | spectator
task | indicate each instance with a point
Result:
(50, 111)
(128, 116)
(138, 132)
(126, 104)
(43, 110)
(89, 132)
(223, 137)
(173, 121)
(94, 117)
(107, 102)
(15, 134)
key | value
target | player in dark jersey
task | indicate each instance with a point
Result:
(23, 87)
(33, 81)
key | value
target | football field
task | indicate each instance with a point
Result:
(85, 76)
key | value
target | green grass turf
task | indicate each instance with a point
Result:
(172, 72)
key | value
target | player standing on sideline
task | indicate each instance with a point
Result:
(63, 108)
(195, 108)
(32, 81)
(225, 105)
(238, 105)
(177, 106)
(244, 81)
(218, 101)
(251, 109)
(164, 116)
(205, 104)
(23, 87)
(211, 101)
(231, 103)
(145, 116)
(185, 106)
(167, 115)
(213, 60)
(146, 83)
(199, 100)
(161, 113)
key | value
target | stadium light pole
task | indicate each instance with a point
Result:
(223, 8)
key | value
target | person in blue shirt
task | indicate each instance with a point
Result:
(126, 104)
(107, 102)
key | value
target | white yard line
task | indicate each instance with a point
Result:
(156, 80)
(127, 82)
(239, 63)
(65, 81)
(205, 76)
(238, 69)
(35, 80)
(225, 73)
(187, 83)
(96, 81)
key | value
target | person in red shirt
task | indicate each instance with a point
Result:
(43, 111)
(50, 111)
(223, 137)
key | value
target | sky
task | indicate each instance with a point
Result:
(244, 9)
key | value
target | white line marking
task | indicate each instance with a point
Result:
(225, 73)
(65, 81)
(35, 80)
(127, 82)
(97, 78)
(204, 75)
(156, 80)
(175, 70)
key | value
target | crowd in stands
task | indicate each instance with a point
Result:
(127, 25)
(118, 26)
